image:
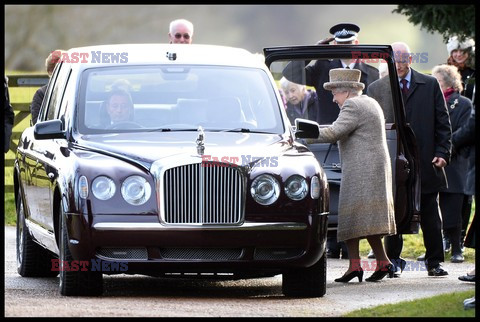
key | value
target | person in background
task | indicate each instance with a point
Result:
(462, 55)
(365, 207)
(9, 118)
(316, 74)
(462, 139)
(427, 114)
(451, 198)
(180, 32)
(53, 58)
(301, 102)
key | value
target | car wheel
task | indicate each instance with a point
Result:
(32, 259)
(306, 282)
(75, 282)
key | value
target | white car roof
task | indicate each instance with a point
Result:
(121, 54)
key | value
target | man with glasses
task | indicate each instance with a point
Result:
(180, 32)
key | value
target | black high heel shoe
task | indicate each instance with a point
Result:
(381, 273)
(347, 277)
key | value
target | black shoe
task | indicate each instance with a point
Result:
(457, 258)
(467, 278)
(398, 266)
(421, 258)
(347, 277)
(437, 271)
(469, 303)
(381, 273)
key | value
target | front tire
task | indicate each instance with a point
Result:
(306, 282)
(75, 282)
(32, 259)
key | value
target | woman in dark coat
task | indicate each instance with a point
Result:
(301, 102)
(451, 198)
(461, 55)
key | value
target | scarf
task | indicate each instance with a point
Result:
(447, 93)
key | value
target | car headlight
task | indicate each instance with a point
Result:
(103, 188)
(136, 190)
(315, 188)
(296, 187)
(265, 189)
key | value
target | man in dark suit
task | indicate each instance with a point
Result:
(427, 114)
(317, 74)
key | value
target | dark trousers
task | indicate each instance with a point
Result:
(431, 224)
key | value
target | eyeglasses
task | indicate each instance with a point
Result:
(185, 36)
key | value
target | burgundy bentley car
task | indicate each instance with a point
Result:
(172, 160)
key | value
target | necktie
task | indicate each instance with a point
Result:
(404, 86)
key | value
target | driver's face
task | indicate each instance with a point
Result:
(119, 108)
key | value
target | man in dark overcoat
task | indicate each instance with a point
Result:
(427, 114)
(317, 74)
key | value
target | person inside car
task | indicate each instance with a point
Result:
(118, 108)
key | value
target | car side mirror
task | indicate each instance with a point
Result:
(52, 129)
(306, 129)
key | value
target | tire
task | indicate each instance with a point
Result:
(77, 282)
(32, 259)
(306, 282)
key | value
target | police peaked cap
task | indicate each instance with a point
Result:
(344, 32)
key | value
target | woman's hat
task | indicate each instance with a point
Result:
(344, 77)
(454, 44)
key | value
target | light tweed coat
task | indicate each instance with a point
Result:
(365, 205)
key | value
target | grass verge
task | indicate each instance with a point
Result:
(445, 305)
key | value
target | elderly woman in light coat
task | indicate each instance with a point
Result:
(366, 199)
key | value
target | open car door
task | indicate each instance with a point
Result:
(303, 64)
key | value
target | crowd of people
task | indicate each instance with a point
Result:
(440, 109)
(352, 99)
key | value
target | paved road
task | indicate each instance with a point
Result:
(128, 296)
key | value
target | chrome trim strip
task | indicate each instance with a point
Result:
(183, 227)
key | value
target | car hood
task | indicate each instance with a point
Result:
(145, 148)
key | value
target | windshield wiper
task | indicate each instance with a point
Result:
(170, 130)
(239, 129)
(245, 130)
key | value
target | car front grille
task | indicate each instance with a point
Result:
(203, 193)
(123, 253)
(201, 254)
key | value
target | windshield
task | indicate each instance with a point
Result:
(181, 97)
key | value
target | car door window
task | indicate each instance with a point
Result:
(58, 91)
(309, 66)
